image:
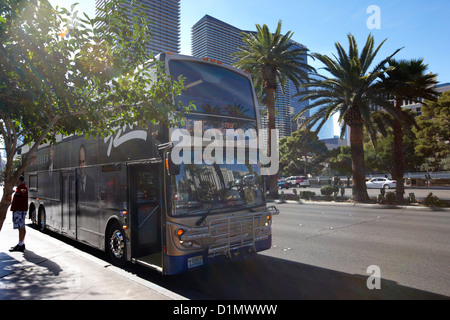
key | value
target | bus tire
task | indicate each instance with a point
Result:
(41, 219)
(32, 213)
(115, 245)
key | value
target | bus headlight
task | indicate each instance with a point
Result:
(186, 244)
(268, 217)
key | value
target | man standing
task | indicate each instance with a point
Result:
(19, 207)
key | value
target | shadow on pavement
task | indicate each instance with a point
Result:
(268, 278)
(28, 276)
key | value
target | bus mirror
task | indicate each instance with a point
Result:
(171, 167)
(164, 147)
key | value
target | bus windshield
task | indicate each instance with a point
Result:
(214, 90)
(215, 188)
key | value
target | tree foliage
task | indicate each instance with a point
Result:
(380, 156)
(61, 73)
(272, 59)
(342, 161)
(406, 80)
(302, 153)
(434, 133)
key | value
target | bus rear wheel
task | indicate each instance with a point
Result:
(41, 220)
(116, 244)
(32, 213)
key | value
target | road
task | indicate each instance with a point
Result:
(324, 252)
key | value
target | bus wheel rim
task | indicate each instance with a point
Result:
(117, 244)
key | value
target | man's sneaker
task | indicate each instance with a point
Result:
(18, 248)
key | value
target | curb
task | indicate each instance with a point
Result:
(358, 204)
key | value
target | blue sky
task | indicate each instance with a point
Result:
(421, 27)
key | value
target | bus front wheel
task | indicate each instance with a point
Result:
(116, 244)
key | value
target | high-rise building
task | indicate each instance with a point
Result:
(417, 106)
(164, 22)
(212, 38)
(215, 39)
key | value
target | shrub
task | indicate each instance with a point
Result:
(433, 201)
(390, 197)
(328, 190)
(380, 198)
(307, 195)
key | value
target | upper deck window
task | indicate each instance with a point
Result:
(214, 89)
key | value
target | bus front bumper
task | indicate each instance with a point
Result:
(180, 264)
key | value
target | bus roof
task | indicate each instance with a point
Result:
(166, 56)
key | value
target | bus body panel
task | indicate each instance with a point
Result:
(100, 183)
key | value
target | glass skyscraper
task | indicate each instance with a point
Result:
(164, 22)
(215, 39)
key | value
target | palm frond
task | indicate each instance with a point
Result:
(272, 58)
(350, 85)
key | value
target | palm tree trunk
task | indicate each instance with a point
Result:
(358, 166)
(270, 101)
(399, 157)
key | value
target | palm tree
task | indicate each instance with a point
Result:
(271, 59)
(406, 80)
(349, 92)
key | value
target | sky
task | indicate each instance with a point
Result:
(420, 27)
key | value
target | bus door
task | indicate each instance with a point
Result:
(68, 203)
(145, 213)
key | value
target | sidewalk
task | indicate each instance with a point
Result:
(53, 270)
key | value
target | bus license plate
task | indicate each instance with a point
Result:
(195, 261)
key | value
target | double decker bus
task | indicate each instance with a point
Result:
(125, 195)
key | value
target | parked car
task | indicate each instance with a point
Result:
(298, 181)
(283, 184)
(378, 183)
